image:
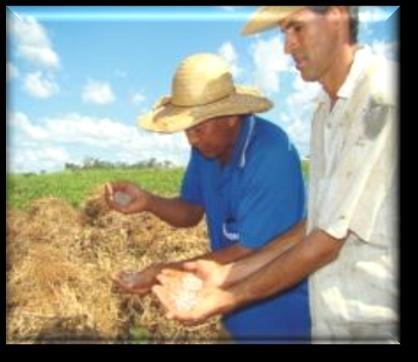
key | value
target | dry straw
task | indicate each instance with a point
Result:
(59, 262)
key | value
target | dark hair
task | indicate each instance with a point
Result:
(353, 23)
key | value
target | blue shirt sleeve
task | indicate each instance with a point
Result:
(191, 185)
(273, 195)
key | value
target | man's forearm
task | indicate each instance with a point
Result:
(258, 259)
(222, 256)
(175, 211)
(227, 255)
(288, 269)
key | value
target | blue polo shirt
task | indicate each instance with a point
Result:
(251, 200)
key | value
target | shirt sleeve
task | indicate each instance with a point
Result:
(273, 196)
(364, 176)
(191, 185)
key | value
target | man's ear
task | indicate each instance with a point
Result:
(233, 120)
(339, 15)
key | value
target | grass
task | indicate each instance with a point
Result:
(74, 186)
(139, 335)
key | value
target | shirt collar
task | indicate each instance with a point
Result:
(239, 151)
(362, 57)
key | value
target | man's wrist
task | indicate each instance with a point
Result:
(225, 276)
(237, 295)
(150, 203)
(234, 272)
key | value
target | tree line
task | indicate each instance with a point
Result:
(95, 163)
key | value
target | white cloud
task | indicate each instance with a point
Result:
(298, 127)
(388, 50)
(102, 138)
(38, 85)
(227, 52)
(269, 60)
(137, 98)
(31, 132)
(297, 112)
(42, 157)
(369, 16)
(304, 94)
(77, 129)
(32, 41)
(11, 71)
(230, 8)
(97, 92)
(373, 14)
(55, 154)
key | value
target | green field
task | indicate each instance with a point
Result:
(74, 186)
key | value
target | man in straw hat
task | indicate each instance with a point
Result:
(348, 246)
(244, 174)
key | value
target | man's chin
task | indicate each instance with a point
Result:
(209, 157)
(308, 76)
(206, 155)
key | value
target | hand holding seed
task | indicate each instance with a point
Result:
(187, 299)
(122, 198)
(126, 197)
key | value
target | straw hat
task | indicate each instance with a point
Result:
(268, 17)
(202, 88)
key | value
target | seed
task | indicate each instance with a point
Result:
(185, 301)
(186, 296)
(122, 198)
(191, 282)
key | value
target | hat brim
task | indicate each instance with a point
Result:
(268, 17)
(170, 118)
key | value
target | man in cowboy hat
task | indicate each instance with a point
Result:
(348, 246)
(244, 174)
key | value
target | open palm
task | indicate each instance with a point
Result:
(204, 302)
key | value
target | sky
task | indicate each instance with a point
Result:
(78, 77)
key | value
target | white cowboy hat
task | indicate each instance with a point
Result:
(268, 17)
(202, 88)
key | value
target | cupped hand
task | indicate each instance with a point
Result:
(197, 305)
(137, 282)
(133, 198)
